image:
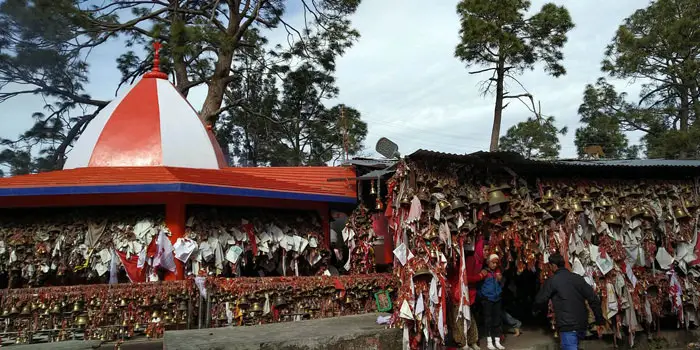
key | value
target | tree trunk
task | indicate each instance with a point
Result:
(498, 109)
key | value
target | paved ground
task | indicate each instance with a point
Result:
(358, 332)
(344, 333)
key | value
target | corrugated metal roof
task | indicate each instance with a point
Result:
(372, 175)
(371, 163)
(514, 158)
(633, 162)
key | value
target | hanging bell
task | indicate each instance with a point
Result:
(576, 207)
(439, 186)
(611, 218)
(420, 180)
(77, 306)
(585, 199)
(279, 301)
(456, 204)
(26, 310)
(243, 302)
(690, 204)
(182, 306)
(548, 195)
(468, 226)
(680, 212)
(443, 205)
(372, 189)
(256, 307)
(635, 212)
(497, 197)
(594, 191)
(56, 309)
(14, 310)
(647, 214)
(405, 201)
(431, 234)
(546, 218)
(556, 209)
(506, 220)
(379, 205)
(123, 303)
(81, 320)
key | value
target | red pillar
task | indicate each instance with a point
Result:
(326, 224)
(175, 217)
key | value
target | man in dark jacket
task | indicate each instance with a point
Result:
(569, 293)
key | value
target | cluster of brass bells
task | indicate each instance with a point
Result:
(496, 195)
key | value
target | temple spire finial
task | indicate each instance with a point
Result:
(155, 71)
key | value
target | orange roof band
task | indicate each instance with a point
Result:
(302, 180)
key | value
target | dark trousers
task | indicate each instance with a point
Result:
(492, 317)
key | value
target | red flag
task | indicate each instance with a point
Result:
(251, 238)
(130, 265)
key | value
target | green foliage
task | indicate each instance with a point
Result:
(498, 31)
(534, 138)
(604, 114)
(45, 44)
(659, 46)
(499, 36)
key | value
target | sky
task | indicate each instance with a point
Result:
(404, 79)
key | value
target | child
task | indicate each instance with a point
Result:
(490, 294)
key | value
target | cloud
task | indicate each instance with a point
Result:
(403, 77)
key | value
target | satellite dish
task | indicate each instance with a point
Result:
(387, 148)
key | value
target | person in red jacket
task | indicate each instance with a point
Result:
(475, 263)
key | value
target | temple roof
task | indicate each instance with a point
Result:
(298, 183)
(148, 124)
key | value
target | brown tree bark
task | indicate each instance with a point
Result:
(498, 108)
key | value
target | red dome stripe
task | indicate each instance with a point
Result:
(131, 136)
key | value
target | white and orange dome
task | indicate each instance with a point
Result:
(149, 124)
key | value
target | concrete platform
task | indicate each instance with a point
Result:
(358, 332)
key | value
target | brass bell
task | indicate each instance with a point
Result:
(451, 225)
(77, 306)
(439, 186)
(155, 314)
(405, 201)
(647, 214)
(690, 204)
(26, 310)
(576, 207)
(547, 218)
(612, 219)
(586, 199)
(5, 312)
(548, 195)
(635, 212)
(81, 320)
(111, 311)
(123, 303)
(456, 204)
(348, 299)
(496, 197)
(372, 189)
(506, 220)
(379, 205)
(171, 300)
(594, 191)
(422, 272)
(443, 205)
(279, 301)
(556, 208)
(605, 203)
(431, 234)
(680, 212)
(468, 226)
(257, 307)
(56, 309)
